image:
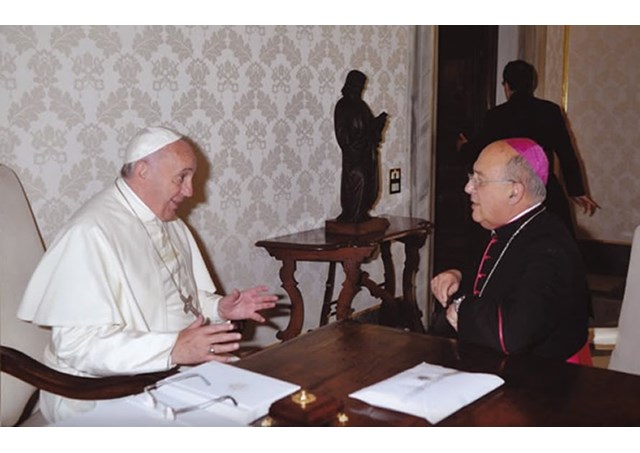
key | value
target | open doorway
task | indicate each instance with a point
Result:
(467, 57)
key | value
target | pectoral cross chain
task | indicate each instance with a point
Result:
(189, 306)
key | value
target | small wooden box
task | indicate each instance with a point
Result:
(323, 411)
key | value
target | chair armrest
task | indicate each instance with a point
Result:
(27, 369)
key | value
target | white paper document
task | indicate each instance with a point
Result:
(196, 386)
(429, 391)
(253, 392)
(132, 411)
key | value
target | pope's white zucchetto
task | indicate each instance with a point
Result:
(148, 141)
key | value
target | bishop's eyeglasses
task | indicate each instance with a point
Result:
(477, 181)
(169, 412)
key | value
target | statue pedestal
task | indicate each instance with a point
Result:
(374, 225)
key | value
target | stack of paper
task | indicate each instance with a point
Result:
(131, 411)
(253, 392)
(429, 391)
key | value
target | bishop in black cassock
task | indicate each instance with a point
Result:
(527, 292)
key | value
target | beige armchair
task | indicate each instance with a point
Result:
(626, 353)
(22, 343)
(21, 248)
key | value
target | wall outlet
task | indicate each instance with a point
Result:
(394, 180)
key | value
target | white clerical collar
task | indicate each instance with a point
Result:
(524, 212)
(140, 209)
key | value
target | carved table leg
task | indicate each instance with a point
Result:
(328, 294)
(350, 288)
(410, 311)
(389, 268)
(290, 285)
(389, 312)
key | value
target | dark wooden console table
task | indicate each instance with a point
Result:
(352, 252)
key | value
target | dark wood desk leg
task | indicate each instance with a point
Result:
(328, 294)
(290, 285)
(350, 288)
(410, 311)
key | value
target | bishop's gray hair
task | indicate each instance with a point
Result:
(519, 169)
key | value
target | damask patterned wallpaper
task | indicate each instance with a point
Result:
(258, 100)
(604, 109)
(603, 105)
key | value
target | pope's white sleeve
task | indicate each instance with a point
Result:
(110, 350)
(209, 302)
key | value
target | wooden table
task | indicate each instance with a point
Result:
(340, 358)
(351, 252)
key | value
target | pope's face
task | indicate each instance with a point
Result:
(489, 190)
(169, 179)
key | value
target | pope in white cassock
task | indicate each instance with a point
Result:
(124, 287)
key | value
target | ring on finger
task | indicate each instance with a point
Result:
(212, 350)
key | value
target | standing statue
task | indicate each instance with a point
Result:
(358, 133)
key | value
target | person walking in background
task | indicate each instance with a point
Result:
(524, 115)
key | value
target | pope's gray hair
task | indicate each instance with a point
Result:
(127, 170)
